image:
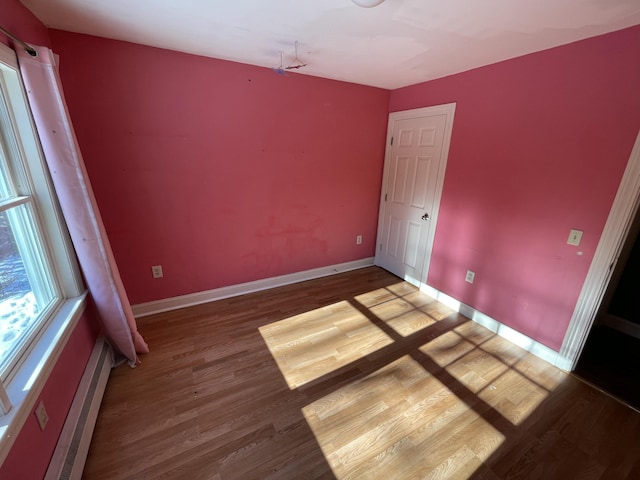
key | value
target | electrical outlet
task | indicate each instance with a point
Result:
(575, 236)
(470, 276)
(156, 271)
(41, 415)
(359, 240)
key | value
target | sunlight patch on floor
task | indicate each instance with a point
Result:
(501, 375)
(403, 308)
(403, 317)
(400, 422)
(424, 414)
(311, 345)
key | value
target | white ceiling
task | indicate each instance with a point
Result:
(398, 43)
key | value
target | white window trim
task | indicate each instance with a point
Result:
(24, 386)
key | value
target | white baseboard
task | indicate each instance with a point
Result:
(536, 348)
(70, 455)
(174, 303)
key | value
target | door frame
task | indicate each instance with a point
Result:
(449, 110)
(614, 236)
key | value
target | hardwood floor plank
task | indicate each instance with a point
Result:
(358, 375)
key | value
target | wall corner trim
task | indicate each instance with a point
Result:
(536, 348)
(189, 300)
(623, 210)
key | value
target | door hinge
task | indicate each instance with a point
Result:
(391, 140)
(385, 197)
(380, 247)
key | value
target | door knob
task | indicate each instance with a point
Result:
(425, 216)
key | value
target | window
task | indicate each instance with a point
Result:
(28, 288)
(41, 294)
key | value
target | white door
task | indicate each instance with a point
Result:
(415, 161)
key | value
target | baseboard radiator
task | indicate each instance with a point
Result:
(71, 451)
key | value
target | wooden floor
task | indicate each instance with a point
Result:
(354, 376)
(611, 360)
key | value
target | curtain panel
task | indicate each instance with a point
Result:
(79, 208)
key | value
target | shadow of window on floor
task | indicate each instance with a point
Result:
(414, 388)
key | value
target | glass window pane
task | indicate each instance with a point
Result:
(6, 135)
(25, 291)
(5, 190)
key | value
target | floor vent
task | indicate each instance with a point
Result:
(70, 455)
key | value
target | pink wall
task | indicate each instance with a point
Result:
(29, 457)
(539, 146)
(16, 18)
(221, 172)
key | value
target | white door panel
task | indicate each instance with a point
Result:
(412, 183)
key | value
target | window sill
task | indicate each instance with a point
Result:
(26, 386)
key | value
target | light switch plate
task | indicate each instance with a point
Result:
(575, 236)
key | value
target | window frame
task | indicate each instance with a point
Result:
(21, 387)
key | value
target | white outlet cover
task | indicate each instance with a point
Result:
(41, 415)
(470, 276)
(156, 271)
